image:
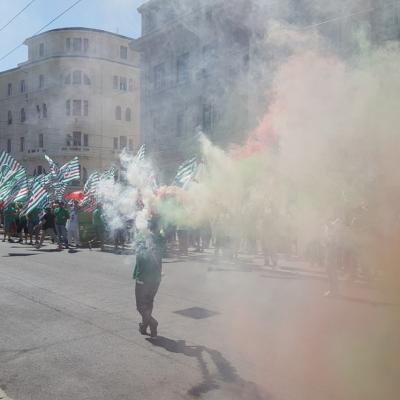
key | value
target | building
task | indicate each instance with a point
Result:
(195, 63)
(206, 65)
(77, 94)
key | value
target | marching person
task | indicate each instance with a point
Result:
(147, 274)
(47, 224)
(98, 225)
(33, 222)
(9, 222)
(22, 225)
(61, 217)
(73, 225)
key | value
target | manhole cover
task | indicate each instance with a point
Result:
(196, 313)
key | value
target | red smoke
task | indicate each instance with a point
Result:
(260, 140)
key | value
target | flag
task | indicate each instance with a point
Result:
(8, 168)
(54, 170)
(39, 198)
(18, 192)
(91, 184)
(109, 174)
(6, 188)
(88, 204)
(141, 153)
(59, 190)
(70, 171)
(23, 192)
(185, 172)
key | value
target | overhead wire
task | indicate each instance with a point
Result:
(17, 15)
(43, 28)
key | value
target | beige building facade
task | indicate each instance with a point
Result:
(77, 94)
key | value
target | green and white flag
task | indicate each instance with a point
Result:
(185, 172)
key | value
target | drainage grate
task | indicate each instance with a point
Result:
(196, 313)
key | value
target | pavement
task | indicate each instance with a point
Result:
(227, 330)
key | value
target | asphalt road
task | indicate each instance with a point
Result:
(68, 330)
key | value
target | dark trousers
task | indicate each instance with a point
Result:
(145, 294)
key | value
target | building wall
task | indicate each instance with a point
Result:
(194, 64)
(92, 77)
(230, 62)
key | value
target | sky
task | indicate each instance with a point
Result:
(119, 16)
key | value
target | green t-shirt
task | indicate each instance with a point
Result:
(97, 217)
(33, 216)
(9, 214)
(149, 260)
(22, 218)
(61, 215)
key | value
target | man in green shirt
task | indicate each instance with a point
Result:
(98, 225)
(147, 273)
(33, 225)
(61, 215)
(9, 221)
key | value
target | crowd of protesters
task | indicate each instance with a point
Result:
(335, 250)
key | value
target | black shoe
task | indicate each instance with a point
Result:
(10, 241)
(153, 329)
(142, 329)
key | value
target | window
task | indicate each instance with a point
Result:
(9, 89)
(128, 114)
(68, 140)
(208, 118)
(115, 82)
(68, 79)
(86, 79)
(77, 77)
(76, 108)
(44, 110)
(131, 85)
(86, 140)
(86, 108)
(68, 43)
(23, 115)
(77, 44)
(118, 113)
(182, 68)
(38, 110)
(179, 124)
(9, 117)
(123, 142)
(77, 138)
(85, 45)
(68, 107)
(123, 84)
(41, 81)
(40, 170)
(159, 76)
(123, 52)
(22, 87)
(22, 144)
(115, 145)
(41, 140)
(9, 146)
(130, 144)
(84, 174)
(41, 49)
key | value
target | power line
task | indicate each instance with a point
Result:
(17, 15)
(42, 28)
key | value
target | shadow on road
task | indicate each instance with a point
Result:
(226, 375)
(20, 254)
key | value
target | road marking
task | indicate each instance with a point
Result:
(3, 395)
